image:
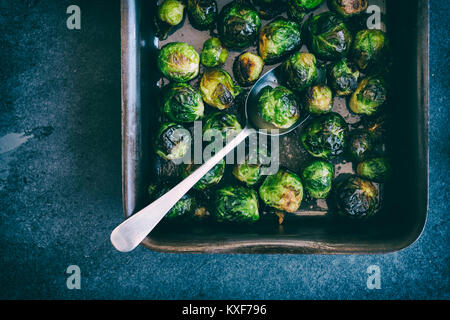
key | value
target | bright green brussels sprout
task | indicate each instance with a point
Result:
(249, 172)
(360, 143)
(317, 178)
(178, 61)
(369, 96)
(283, 191)
(369, 49)
(278, 39)
(217, 88)
(247, 68)
(184, 209)
(325, 136)
(181, 103)
(328, 36)
(172, 141)
(343, 77)
(297, 9)
(236, 204)
(278, 107)
(376, 169)
(213, 54)
(202, 13)
(348, 8)
(318, 100)
(228, 124)
(355, 198)
(300, 71)
(210, 179)
(171, 12)
(238, 25)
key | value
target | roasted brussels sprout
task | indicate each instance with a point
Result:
(249, 172)
(213, 54)
(269, 9)
(217, 88)
(327, 36)
(183, 210)
(369, 49)
(378, 125)
(348, 8)
(228, 124)
(236, 204)
(318, 100)
(297, 9)
(370, 95)
(178, 61)
(282, 191)
(360, 143)
(278, 39)
(238, 26)
(375, 169)
(278, 107)
(325, 136)
(202, 13)
(355, 198)
(343, 77)
(181, 103)
(212, 178)
(172, 141)
(171, 12)
(247, 68)
(300, 71)
(317, 178)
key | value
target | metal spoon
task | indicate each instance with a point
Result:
(130, 233)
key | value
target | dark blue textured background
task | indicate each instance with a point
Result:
(60, 192)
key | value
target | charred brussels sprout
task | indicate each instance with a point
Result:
(178, 61)
(217, 88)
(172, 142)
(171, 12)
(376, 169)
(210, 179)
(343, 77)
(297, 9)
(355, 198)
(348, 8)
(184, 209)
(238, 25)
(278, 107)
(247, 68)
(249, 172)
(318, 100)
(282, 191)
(300, 71)
(202, 13)
(369, 96)
(236, 204)
(269, 8)
(324, 137)
(227, 124)
(317, 178)
(278, 39)
(328, 36)
(369, 49)
(360, 143)
(181, 103)
(378, 125)
(213, 54)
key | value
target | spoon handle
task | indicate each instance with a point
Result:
(130, 233)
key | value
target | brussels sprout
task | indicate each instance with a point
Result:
(236, 204)
(178, 61)
(356, 198)
(217, 88)
(184, 209)
(278, 39)
(369, 49)
(317, 178)
(283, 191)
(300, 71)
(225, 123)
(238, 25)
(171, 12)
(249, 172)
(343, 77)
(181, 103)
(369, 96)
(328, 36)
(378, 125)
(247, 68)
(348, 8)
(360, 143)
(318, 100)
(210, 179)
(202, 13)
(213, 54)
(172, 142)
(324, 137)
(278, 107)
(376, 169)
(268, 9)
(297, 9)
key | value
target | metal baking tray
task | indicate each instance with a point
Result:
(311, 230)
